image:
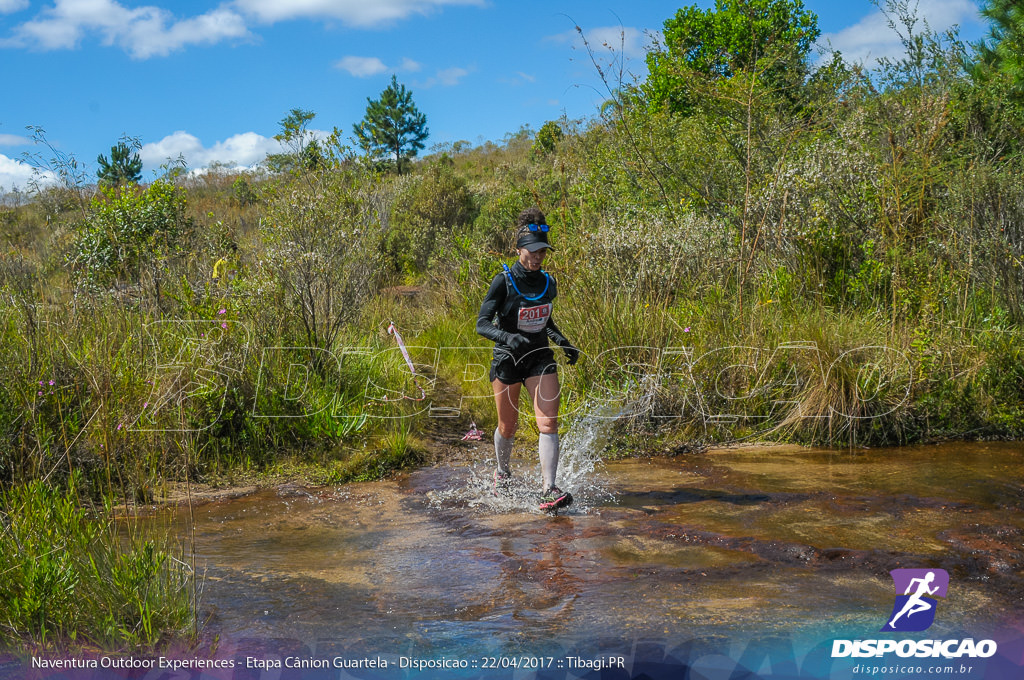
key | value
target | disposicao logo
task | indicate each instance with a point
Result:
(913, 611)
(915, 608)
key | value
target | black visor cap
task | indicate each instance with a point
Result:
(533, 241)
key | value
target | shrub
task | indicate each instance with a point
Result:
(428, 213)
(322, 252)
(130, 233)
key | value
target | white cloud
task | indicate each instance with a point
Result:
(451, 76)
(245, 150)
(631, 42)
(142, 31)
(448, 77)
(410, 66)
(361, 67)
(148, 31)
(361, 13)
(519, 79)
(871, 38)
(152, 39)
(14, 140)
(364, 67)
(16, 174)
(9, 6)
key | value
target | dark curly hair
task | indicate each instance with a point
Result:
(531, 215)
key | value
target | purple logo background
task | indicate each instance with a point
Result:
(914, 609)
(901, 579)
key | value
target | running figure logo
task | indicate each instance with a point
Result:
(915, 608)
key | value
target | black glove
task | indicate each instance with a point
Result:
(516, 342)
(572, 355)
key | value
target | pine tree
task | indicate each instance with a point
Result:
(124, 166)
(393, 127)
(1004, 49)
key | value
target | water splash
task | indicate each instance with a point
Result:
(579, 472)
(580, 469)
(476, 489)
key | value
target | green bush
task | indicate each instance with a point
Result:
(130, 233)
(322, 240)
(430, 211)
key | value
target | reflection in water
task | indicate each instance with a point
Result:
(781, 539)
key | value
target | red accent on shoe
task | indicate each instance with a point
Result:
(555, 498)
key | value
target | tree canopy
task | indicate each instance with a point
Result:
(393, 128)
(1004, 49)
(302, 150)
(548, 137)
(769, 37)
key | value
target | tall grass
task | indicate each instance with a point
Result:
(72, 579)
(110, 390)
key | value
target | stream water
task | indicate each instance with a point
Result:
(719, 546)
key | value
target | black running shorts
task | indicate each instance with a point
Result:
(509, 371)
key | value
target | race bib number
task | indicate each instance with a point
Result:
(534, 319)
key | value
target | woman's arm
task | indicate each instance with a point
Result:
(492, 303)
(571, 353)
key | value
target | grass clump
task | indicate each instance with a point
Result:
(71, 580)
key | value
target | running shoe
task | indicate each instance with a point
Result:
(554, 498)
(502, 483)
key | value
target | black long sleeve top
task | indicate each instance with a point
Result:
(505, 312)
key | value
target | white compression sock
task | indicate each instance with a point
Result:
(503, 450)
(548, 448)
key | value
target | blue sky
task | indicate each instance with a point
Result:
(212, 81)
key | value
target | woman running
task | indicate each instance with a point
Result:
(516, 315)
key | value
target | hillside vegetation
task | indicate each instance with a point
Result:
(778, 247)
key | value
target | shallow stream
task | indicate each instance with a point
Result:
(783, 540)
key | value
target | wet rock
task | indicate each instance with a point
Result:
(291, 490)
(997, 549)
